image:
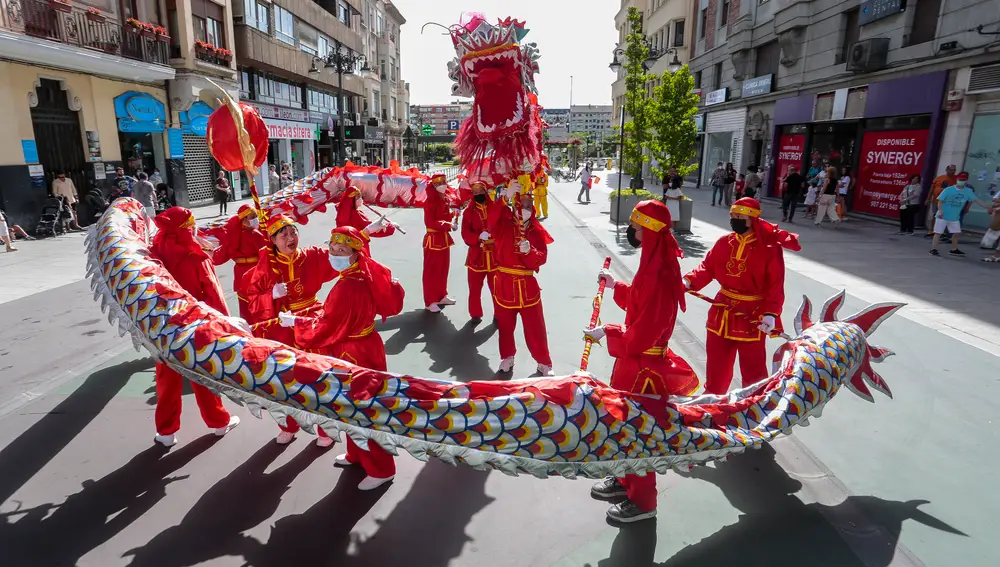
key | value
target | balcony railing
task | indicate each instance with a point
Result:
(54, 21)
(212, 58)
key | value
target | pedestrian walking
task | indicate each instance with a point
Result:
(791, 190)
(741, 183)
(222, 192)
(273, 179)
(145, 193)
(123, 182)
(5, 233)
(753, 182)
(812, 197)
(828, 198)
(909, 204)
(584, 184)
(947, 179)
(950, 204)
(730, 181)
(718, 183)
(843, 188)
(673, 194)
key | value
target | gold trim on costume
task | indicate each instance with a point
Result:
(303, 304)
(247, 260)
(739, 296)
(744, 210)
(647, 221)
(516, 272)
(364, 333)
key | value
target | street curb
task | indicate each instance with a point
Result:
(866, 538)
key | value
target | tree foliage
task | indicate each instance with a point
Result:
(672, 111)
(636, 100)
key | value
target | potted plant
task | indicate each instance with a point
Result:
(203, 47)
(95, 14)
(148, 30)
(224, 54)
(134, 25)
(161, 34)
(61, 5)
(629, 199)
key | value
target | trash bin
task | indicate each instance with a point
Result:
(687, 210)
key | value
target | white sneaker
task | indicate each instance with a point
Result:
(507, 364)
(371, 483)
(166, 440)
(434, 308)
(446, 301)
(284, 438)
(544, 370)
(233, 422)
(324, 441)
(342, 461)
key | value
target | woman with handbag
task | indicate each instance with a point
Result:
(909, 202)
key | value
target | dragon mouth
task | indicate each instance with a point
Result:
(496, 73)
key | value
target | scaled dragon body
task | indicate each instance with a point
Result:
(569, 426)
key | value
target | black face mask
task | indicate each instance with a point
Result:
(630, 235)
(739, 226)
(480, 198)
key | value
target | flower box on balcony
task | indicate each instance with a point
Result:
(163, 37)
(95, 15)
(60, 6)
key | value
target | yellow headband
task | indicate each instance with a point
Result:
(646, 221)
(247, 213)
(279, 224)
(341, 238)
(189, 222)
(744, 210)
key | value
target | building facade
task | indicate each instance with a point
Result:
(443, 119)
(882, 88)
(84, 88)
(280, 51)
(593, 120)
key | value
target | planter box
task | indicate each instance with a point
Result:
(163, 38)
(60, 7)
(687, 211)
(628, 202)
(97, 18)
(148, 34)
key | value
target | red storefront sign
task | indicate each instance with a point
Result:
(791, 149)
(888, 159)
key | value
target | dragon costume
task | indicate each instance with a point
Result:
(568, 426)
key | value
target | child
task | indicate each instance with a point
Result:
(740, 184)
(811, 198)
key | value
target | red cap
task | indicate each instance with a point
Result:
(652, 215)
(246, 212)
(174, 218)
(347, 235)
(964, 176)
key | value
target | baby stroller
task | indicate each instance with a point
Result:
(51, 223)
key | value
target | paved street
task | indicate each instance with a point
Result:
(898, 482)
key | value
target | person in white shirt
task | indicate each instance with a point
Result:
(584, 184)
(63, 187)
(843, 187)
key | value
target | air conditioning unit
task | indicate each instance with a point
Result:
(868, 55)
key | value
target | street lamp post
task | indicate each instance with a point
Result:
(343, 64)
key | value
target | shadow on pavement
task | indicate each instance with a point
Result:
(775, 524)
(61, 534)
(24, 457)
(454, 352)
(214, 526)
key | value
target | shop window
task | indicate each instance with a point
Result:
(925, 22)
(851, 33)
(679, 33)
(284, 25)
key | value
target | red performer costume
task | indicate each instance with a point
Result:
(349, 214)
(285, 282)
(480, 261)
(346, 329)
(438, 218)
(241, 243)
(644, 362)
(175, 247)
(521, 245)
(750, 268)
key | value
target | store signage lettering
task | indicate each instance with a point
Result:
(195, 119)
(757, 86)
(139, 112)
(280, 113)
(791, 148)
(716, 97)
(282, 130)
(874, 10)
(888, 159)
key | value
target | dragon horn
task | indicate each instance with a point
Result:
(872, 316)
(832, 307)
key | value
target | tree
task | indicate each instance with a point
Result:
(672, 120)
(636, 97)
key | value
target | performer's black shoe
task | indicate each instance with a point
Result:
(608, 488)
(626, 512)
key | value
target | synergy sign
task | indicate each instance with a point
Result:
(791, 149)
(285, 130)
(888, 159)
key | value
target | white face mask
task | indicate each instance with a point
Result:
(254, 223)
(526, 213)
(441, 189)
(960, 183)
(340, 263)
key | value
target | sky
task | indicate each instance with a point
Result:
(575, 38)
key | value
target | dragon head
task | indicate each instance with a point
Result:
(845, 342)
(497, 71)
